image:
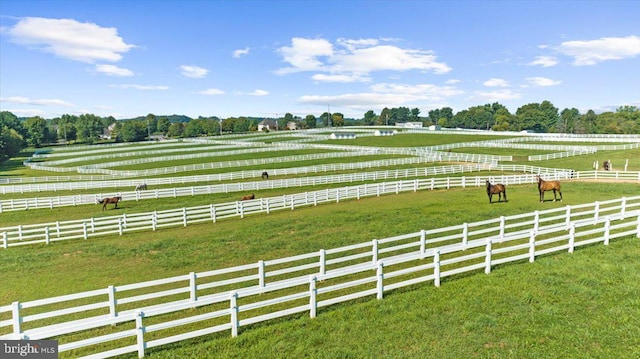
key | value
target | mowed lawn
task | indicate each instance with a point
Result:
(563, 304)
(583, 304)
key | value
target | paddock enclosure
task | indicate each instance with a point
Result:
(336, 225)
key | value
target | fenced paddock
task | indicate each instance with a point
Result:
(136, 317)
(92, 227)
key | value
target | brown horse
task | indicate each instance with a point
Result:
(498, 189)
(248, 197)
(544, 186)
(106, 201)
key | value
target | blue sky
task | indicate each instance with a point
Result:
(266, 58)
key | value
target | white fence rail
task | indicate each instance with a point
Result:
(83, 199)
(92, 227)
(228, 299)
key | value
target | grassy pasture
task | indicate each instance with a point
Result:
(414, 139)
(563, 305)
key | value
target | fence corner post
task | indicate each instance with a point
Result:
(17, 320)
(233, 306)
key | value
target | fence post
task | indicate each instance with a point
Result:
(20, 232)
(572, 237)
(184, 216)
(465, 234)
(93, 225)
(5, 240)
(423, 242)
(313, 294)
(436, 268)
(213, 213)
(536, 221)
(532, 246)
(374, 251)
(120, 225)
(502, 220)
(568, 217)
(596, 211)
(261, 274)
(233, 304)
(140, 333)
(240, 209)
(46, 235)
(607, 228)
(84, 230)
(623, 206)
(380, 282)
(193, 294)
(154, 220)
(15, 312)
(112, 301)
(487, 268)
(637, 228)
(323, 261)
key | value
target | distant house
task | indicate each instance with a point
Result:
(435, 128)
(384, 132)
(106, 133)
(267, 125)
(342, 136)
(292, 125)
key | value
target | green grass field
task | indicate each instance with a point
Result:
(580, 305)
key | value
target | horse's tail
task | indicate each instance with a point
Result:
(101, 201)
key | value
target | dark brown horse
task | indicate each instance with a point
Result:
(498, 189)
(248, 197)
(265, 175)
(106, 201)
(544, 186)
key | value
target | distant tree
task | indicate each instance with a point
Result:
(163, 125)
(568, 117)
(11, 141)
(152, 123)
(89, 128)
(37, 131)
(415, 114)
(194, 128)
(337, 119)
(241, 125)
(310, 121)
(133, 131)
(176, 130)
(369, 118)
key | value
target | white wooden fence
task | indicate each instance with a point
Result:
(137, 317)
(92, 227)
(83, 199)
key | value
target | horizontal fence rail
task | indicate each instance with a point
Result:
(83, 199)
(92, 227)
(169, 310)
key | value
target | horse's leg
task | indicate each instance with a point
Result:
(541, 196)
(505, 195)
(554, 194)
(489, 195)
(559, 191)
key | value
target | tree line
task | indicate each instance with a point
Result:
(18, 133)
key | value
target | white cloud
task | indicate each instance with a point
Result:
(241, 52)
(211, 92)
(303, 54)
(344, 78)
(353, 60)
(544, 61)
(494, 96)
(194, 71)
(255, 93)
(141, 87)
(452, 82)
(113, 70)
(385, 95)
(70, 39)
(39, 102)
(595, 51)
(542, 81)
(496, 83)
